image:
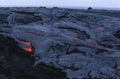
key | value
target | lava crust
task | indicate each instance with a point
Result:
(57, 43)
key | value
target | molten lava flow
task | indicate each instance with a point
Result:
(118, 68)
(29, 49)
(76, 38)
(94, 43)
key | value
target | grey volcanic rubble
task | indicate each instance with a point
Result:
(66, 44)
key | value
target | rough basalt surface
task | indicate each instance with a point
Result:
(67, 44)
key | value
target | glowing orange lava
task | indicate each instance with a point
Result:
(76, 38)
(118, 68)
(94, 43)
(29, 49)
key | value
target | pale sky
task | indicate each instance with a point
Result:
(62, 3)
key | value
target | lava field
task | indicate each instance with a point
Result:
(58, 43)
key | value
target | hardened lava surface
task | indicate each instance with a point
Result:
(74, 44)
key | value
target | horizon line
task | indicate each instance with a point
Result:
(69, 7)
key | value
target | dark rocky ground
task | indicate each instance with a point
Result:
(61, 43)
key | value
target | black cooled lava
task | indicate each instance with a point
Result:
(42, 43)
(15, 63)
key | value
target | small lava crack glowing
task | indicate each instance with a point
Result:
(99, 30)
(29, 49)
(118, 68)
